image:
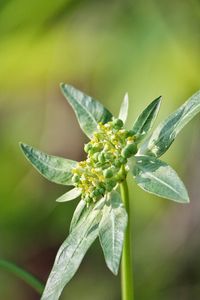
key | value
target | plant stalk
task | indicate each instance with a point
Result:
(22, 274)
(127, 287)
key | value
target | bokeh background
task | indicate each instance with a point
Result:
(105, 48)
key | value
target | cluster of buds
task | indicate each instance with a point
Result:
(107, 155)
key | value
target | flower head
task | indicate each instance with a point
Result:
(105, 166)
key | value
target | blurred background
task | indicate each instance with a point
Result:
(105, 48)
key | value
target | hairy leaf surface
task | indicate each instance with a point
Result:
(164, 135)
(77, 214)
(156, 177)
(56, 169)
(89, 112)
(123, 113)
(70, 195)
(72, 252)
(111, 231)
(146, 119)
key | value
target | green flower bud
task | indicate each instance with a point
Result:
(118, 124)
(109, 188)
(110, 185)
(105, 166)
(76, 178)
(87, 147)
(88, 199)
(130, 133)
(129, 150)
(101, 158)
(123, 160)
(117, 163)
(95, 156)
(96, 193)
(101, 190)
(108, 173)
(95, 149)
(120, 176)
(108, 156)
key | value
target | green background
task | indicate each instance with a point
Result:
(105, 48)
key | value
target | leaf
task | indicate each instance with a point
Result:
(22, 274)
(72, 252)
(56, 169)
(164, 135)
(146, 119)
(70, 195)
(89, 112)
(111, 231)
(123, 113)
(77, 214)
(156, 177)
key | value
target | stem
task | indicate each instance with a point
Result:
(127, 264)
(22, 274)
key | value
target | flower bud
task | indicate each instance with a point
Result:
(87, 147)
(87, 199)
(129, 150)
(117, 163)
(96, 156)
(110, 185)
(118, 124)
(130, 133)
(108, 173)
(101, 190)
(101, 158)
(96, 193)
(76, 178)
(108, 156)
(123, 160)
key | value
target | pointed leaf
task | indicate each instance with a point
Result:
(70, 195)
(156, 177)
(77, 214)
(123, 113)
(144, 122)
(72, 252)
(164, 135)
(111, 231)
(56, 169)
(89, 112)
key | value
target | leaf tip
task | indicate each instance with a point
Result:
(57, 200)
(23, 146)
(126, 96)
(113, 268)
(159, 99)
(187, 200)
(62, 85)
(115, 271)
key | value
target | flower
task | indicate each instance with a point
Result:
(105, 166)
(112, 152)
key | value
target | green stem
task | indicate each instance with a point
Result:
(127, 263)
(22, 274)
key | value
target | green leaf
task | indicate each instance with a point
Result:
(70, 195)
(146, 119)
(22, 274)
(111, 231)
(89, 112)
(56, 169)
(72, 252)
(156, 177)
(77, 214)
(164, 135)
(123, 113)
